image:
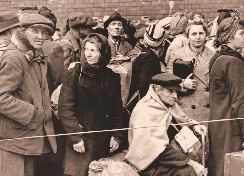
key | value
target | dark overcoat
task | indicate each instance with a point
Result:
(145, 66)
(87, 106)
(226, 102)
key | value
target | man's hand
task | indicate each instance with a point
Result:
(189, 83)
(79, 147)
(199, 128)
(198, 168)
(113, 145)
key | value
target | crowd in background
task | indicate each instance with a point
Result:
(96, 75)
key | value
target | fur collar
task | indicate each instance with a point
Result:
(20, 40)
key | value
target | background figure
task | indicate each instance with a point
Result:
(57, 36)
(147, 64)
(224, 13)
(226, 94)
(139, 37)
(177, 35)
(90, 100)
(50, 164)
(116, 26)
(24, 90)
(9, 23)
(78, 27)
(194, 101)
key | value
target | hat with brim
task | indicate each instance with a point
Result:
(167, 80)
(115, 16)
(8, 19)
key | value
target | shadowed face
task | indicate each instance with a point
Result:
(115, 28)
(167, 96)
(238, 39)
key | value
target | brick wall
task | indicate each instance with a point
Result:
(130, 9)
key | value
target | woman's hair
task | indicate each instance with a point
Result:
(201, 22)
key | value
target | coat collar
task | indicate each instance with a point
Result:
(72, 40)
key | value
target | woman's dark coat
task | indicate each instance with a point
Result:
(89, 105)
(226, 102)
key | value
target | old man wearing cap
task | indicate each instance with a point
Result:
(9, 22)
(116, 25)
(149, 149)
(25, 109)
(78, 27)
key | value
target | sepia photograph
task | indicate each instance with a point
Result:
(121, 88)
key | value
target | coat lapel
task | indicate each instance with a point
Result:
(202, 68)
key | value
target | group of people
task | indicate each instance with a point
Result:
(64, 103)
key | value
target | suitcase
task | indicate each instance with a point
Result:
(234, 164)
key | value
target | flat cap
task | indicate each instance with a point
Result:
(76, 20)
(30, 19)
(167, 80)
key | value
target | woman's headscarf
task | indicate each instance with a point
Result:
(102, 43)
(227, 29)
(178, 24)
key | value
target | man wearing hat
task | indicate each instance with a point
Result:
(9, 22)
(116, 25)
(25, 109)
(78, 27)
(149, 149)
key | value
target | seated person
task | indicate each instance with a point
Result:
(149, 148)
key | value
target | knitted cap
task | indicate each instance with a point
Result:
(8, 20)
(154, 35)
(30, 19)
(167, 80)
(80, 19)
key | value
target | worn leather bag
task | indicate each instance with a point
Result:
(183, 68)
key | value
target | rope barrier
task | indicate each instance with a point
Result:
(121, 129)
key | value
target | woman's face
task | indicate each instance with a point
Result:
(92, 53)
(238, 39)
(167, 96)
(197, 36)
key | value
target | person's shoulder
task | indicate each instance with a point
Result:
(111, 73)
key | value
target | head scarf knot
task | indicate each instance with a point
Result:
(227, 29)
